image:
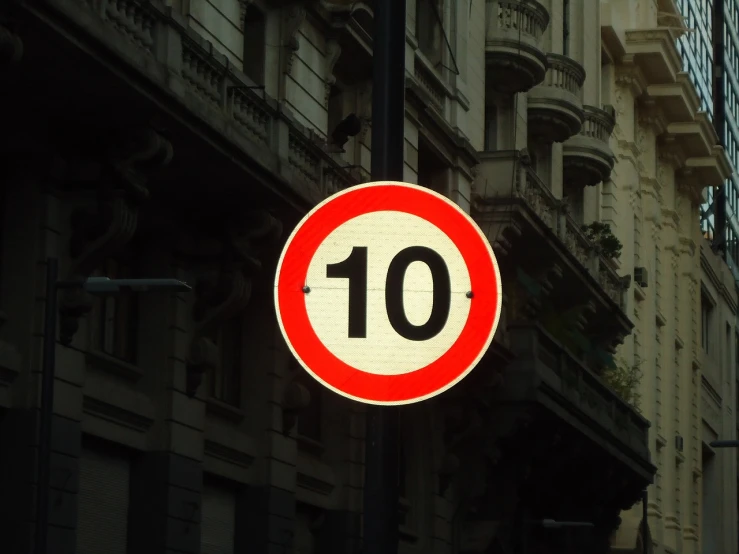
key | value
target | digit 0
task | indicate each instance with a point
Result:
(354, 268)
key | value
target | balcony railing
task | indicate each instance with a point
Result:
(597, 124)
(550, 210)
(567, 378)
(564, 73)
(187, 67)
(525, 16)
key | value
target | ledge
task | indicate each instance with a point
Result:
(101, 361)
(224, 410)
(655, 52)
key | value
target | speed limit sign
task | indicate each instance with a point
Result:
(388, 293)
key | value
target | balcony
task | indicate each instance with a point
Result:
(555, 110)
(550, 268)
(588, 160)
(513, 58)
(192, 86)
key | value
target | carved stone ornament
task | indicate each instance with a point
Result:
(229, 258)
(293, 19)
(102, 232)
(333, 53)
(11, 47)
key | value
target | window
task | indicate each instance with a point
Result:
(254, 44)
(432, 170)
(225, 381)
(706, 317)
(116, 318)
(428, 28)
(491, 128)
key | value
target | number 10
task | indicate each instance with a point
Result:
(354, 268)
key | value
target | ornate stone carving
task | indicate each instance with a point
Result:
(102, 232)
(333, 53)
(11, 47)
(293, 18)
(229, 256)
(629, 75)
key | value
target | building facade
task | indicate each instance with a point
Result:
(186, 139)
(659, 78)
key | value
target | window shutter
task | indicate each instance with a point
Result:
(102, 504)
(217, 527)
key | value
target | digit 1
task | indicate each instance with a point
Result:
(442, 298)
(354, 268)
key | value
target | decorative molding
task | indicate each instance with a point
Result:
(228, 255)
(104, 362)
(652, 116)
(293, 19)
(116, 414)
(670, 150)
(333, 53)
(120, 190)
(630, 76)
(227, 454)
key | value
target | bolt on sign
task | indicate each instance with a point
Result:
(388, 293)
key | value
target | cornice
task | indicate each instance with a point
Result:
(655, 51)
(679, 98)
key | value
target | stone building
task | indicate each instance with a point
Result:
(185, 139)
(667, 154)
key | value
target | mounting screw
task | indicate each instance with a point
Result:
(306, 289)
(469, 294)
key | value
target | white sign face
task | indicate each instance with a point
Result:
(388, 293)
(384, 351)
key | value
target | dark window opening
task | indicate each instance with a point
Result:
(226, 379)
(432, 171)
(491, 128)
(255, 44)
(116, 318)
(428, 28)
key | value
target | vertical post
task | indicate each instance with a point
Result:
(46, 409)
(380, 528)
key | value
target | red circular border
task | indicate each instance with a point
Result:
(327, 367)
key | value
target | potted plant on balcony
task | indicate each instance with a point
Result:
(600, 234)
(624, 379)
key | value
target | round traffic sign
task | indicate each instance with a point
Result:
(388, 293)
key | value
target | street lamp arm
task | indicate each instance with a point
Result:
(724, 444)
(552, 524)
(105, 285)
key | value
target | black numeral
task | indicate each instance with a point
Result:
(354, 268)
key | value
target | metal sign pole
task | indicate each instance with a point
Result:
(388, 125)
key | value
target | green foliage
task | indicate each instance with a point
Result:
(600, 234)
(624, 379)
